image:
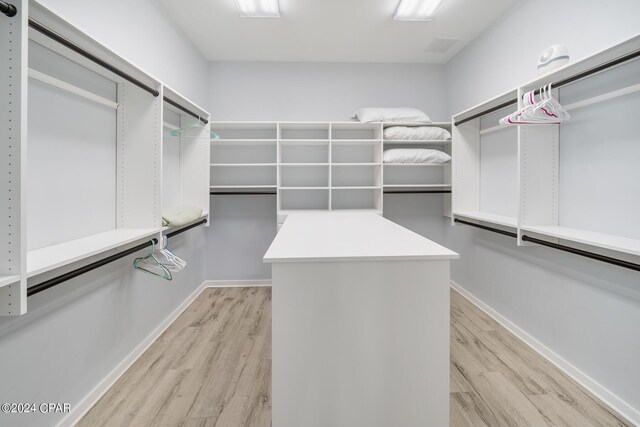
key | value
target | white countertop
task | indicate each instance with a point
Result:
(352, 236)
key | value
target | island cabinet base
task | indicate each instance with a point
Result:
(361, 343)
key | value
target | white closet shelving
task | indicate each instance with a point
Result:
(186, 150)
(574, 184)
(312, 166)
(13, 97)
(245, 156)
(95, 154)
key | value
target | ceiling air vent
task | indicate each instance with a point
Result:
(439, 45)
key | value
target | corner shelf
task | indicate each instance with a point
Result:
(55, 256)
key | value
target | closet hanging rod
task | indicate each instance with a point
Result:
(186, 110)
(8, 9)
(242, 193)
(587, 254)
(560, 83)
(417, 192)
(74, 47)
(43, 286)
(484, 227)
(575, 251)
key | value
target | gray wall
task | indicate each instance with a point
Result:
(243, 226)
(74, 335)
(585, 311)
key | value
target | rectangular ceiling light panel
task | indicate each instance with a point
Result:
(417, 10)
(259, 8)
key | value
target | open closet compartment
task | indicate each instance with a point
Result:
(13, 155)
(485, 165)
(578, 187)
(356, 166)
(244, 158)
(303, 167)
(185, 153)
(579, 180)
(95, 148)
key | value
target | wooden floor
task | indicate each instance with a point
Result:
(212, 367)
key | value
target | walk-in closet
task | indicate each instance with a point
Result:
(262, 213)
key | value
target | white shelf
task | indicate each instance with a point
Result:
(489, 217)
(602, 240)
(355, 141)
(213, 187)
(444, 186)
(303, 164)
(417, 141)
(304, 188)
(243, 165)
(8, 280)
(355, 164)
(302, 141)
(356, 187)
(55, 256)
(241, 142)
(414, 124)
(417, 164)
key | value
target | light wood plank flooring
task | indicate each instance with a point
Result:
(212, 367)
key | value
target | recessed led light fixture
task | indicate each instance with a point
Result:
(417, 10)
(259, 8)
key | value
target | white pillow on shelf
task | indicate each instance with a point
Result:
(413, 133)
(396, 115)
(415, 155)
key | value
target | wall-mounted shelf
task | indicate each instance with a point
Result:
(96, 180)
(320, 165)
(546, 181)
(51, 257)
(488, 218)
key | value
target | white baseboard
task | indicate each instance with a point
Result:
(80, 409)
(236, 283)
(620, 406)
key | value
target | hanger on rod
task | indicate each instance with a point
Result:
(184, 131)
(547, 110)
(150, 264)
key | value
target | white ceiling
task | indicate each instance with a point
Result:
(331, 30)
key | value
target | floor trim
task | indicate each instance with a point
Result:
(236, 283)
(81, 409)
(614, 402)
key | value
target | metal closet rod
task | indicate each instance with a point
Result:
(186, 110)
(43, 286)
(74, 47)
(8, 9)
(259, 193)
(575, 251)
(559, 83)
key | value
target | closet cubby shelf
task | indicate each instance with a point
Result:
(328, 166)
(546, 180)
(51, 257)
